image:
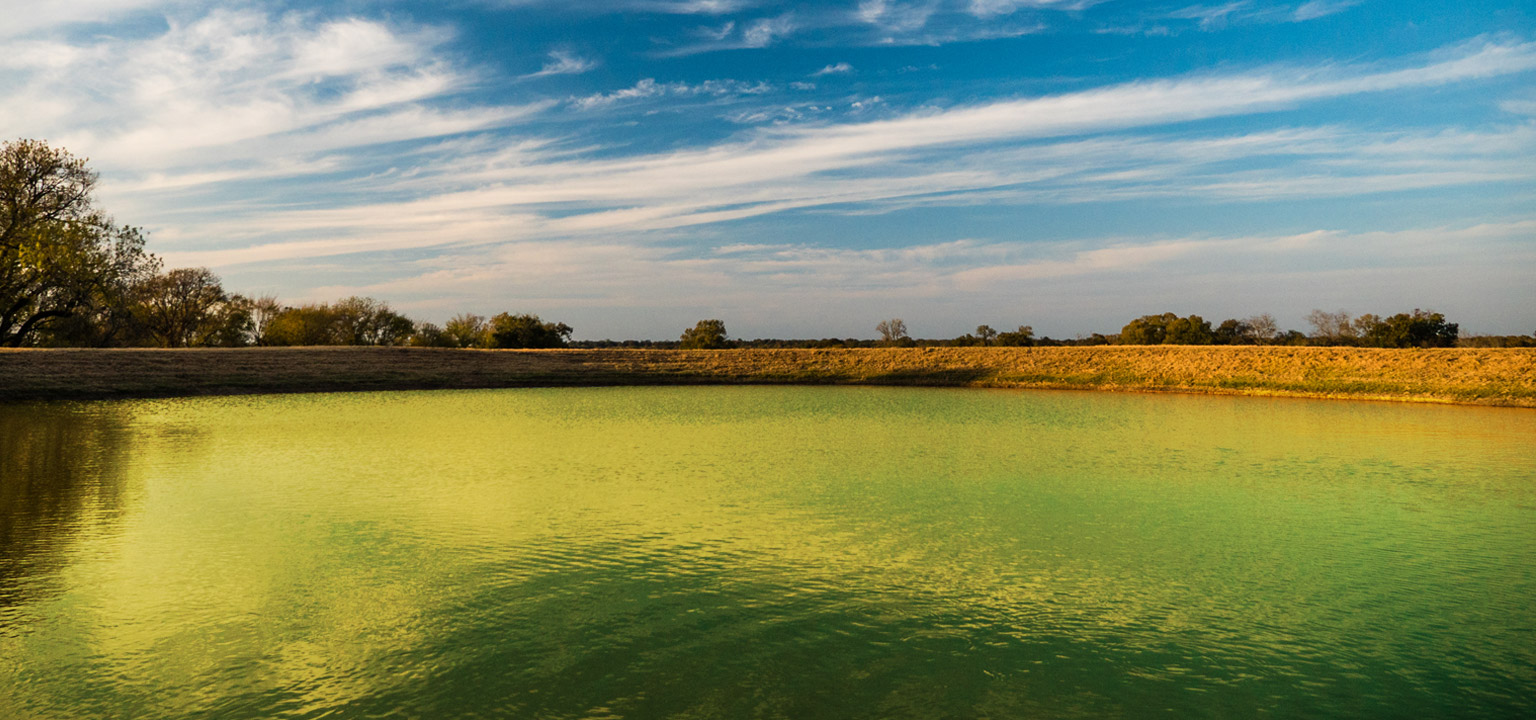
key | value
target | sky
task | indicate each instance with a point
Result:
(806, 170)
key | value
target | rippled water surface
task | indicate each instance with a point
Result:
(765, 553)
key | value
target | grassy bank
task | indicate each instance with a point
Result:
(1477, 376)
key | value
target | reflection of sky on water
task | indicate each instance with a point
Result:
(726, 550)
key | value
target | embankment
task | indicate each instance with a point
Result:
(1474, 376)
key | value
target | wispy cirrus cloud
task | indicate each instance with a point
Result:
(1322, 8)
(649, 88)
(958, 156)
(563, 62)
(753, 34)
(284, 143)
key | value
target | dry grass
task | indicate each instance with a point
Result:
(1478, 376)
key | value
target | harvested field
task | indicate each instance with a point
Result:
(1475, 376)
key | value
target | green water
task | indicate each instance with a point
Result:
(765, 553)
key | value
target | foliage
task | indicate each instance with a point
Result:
(1023, 337)
(1167, 329)
(1420, 329)
(189, 307)
(59, 257)
(1332, 328)
(526, 331)
(467, 330)
(892, 331)
(430, 335)
(353, 321)
(706, 335)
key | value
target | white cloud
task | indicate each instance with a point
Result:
(762, 33)
(895, 16)
(191, 126)
(759, 33)
(841, 68)
(1210, 17)
(998, 152)
(563, 62)
(649, 88)
(1519, 107)
(1322, 8)
(48, 15)
(994, 8)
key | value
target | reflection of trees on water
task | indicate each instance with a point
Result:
(60, 479)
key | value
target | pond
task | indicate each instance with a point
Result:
(767, 552)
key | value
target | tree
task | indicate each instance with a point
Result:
(526, 331)
(365, 321)
(1332, 328)
(1420, 329)
(186, 307)
(986, 334)
(263, 309)
(1233, 332)
(430, 335)
(313, 324)
(1192, 330)
(707, 335)
(1023, 337)
(466, 330)
(892, 331)
(1263, 329)
(1146, 330)
(1167, 329)
(59, 256)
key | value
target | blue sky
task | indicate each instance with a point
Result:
(808, 169)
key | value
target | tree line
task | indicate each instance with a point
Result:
(70, 276)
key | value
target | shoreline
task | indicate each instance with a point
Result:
(1503, 377)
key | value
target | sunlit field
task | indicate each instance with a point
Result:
(1480, 376)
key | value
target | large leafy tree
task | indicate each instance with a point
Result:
(706, 335)
(526, 331)
(351, 321)
(188, 307)
(60, 257)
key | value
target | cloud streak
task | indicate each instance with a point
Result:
(1012, 151)
(562, 62)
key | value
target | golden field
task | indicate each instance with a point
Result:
(1477, 376)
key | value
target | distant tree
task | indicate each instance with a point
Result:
(1023, 337)
(526, 331)
(366, 321)
(185, 307)
(467, 330)
(1420, 329)
(986, 333)
(59, 256)
(313, 324)
(1146, 330)
(892, 331)
(1192, 330)
(1332, 328)
(1291, 337)
(1167, 328)
(430, 335)
(706, 335)
(263, 309)
(1262, 328)
(1233, 332)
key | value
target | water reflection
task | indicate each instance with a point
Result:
(61, 479)
(792, 552)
